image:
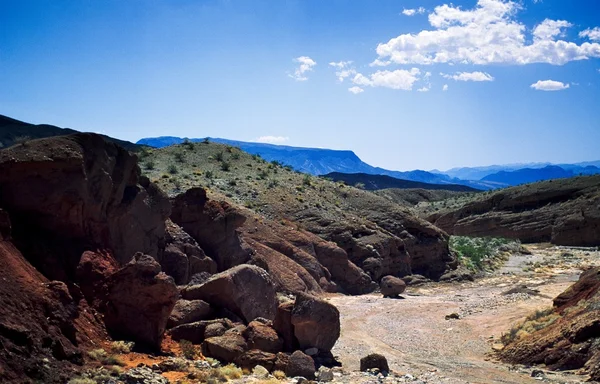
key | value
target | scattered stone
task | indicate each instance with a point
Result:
(452, 316)
(537, 373)
(173, 364)
(263, 337)
(325, 374)
(374, 360)
(142, 375)
(260, 372)
(214, 329)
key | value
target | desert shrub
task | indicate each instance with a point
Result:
(229, 371)
(273, 184)
(97, 354)
(113, 360)
(225, 166)
(149, 164)
(219, 156)
(540, 319)
(306, 180)
(263, 174)
(235, 156)
(172, 169)
(477, 252)
(359, 185)
(209, 174)
(188, 349)
(257, 157)
(179, 157)
(188, 144)
(121, 346)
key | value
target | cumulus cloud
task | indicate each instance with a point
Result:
(343, 69)
(469, 76)
(549, 85)
(489, 33)
(445, 87)
(411, 12)
(356, 90)
(592, 34)
(306, 65)
(272, 139)
(398, 79)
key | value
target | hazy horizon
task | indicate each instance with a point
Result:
(404, 85)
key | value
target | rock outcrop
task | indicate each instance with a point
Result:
(77, 193)
(246, 290)
(139, 301)
(564, 212)
(213, 225)
(572, 339)
(189, 311)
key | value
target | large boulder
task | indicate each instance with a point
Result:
(301, 365)
(316, 322)
(189, 311)
(195, 332)
(246, 290)
(227, 348)
(79, 192)
(374, 361)
(392, 286)
(262, 336)
(139, 301)
(92, 273)
(213, 225)
(252, 358)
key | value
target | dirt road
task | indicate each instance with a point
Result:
(422, 346)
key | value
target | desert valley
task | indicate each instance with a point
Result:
(199, 262)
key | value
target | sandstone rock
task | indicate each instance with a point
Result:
(392, 286)
(316, 322)
(300, 365)
(245, 290)
(374, 360)
(226, 348)
(325, 374)
(260, 372)
(80, 192)
(213, 225)
(214, 329)
(284, 327)
(263, 337)
(188, 311)
(140, 299)
(281, 362)
(254, 357)
(564, 212)
(195, 332)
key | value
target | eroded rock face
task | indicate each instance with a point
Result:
(246, 290)
(573, 340)
(564, 212)
(139, 302)
(213, 225)
(75, 193)
(316, 322)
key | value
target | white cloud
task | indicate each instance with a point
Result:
(445, 87)
(469, 76)
(398, 79)
(411, 12)
(424, 89)
(306, 65)
(272, 139)
(592, 34)
(356, 90)
(488, 33)
(549, 85)
(343, 69)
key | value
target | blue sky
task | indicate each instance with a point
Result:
(431, 84)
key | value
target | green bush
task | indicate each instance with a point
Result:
(179, 157)
(219, 156)
(474, 252)
(225, 166)
(149, 164)
(188, 349)
(172, 169)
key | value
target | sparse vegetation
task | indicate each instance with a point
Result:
(149, 164)
(478, 253)
(188, 349)
(540, 319)
(172, 169)
(121, 346)
(225, 166)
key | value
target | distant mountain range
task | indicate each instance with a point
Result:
(376, 182)
(481, 173)
(318, 161)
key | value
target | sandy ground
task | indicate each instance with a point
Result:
(422, 346)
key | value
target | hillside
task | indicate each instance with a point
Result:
(562, 211)
(14, 131)
(379, 236)
(316, 161)
(377, 182)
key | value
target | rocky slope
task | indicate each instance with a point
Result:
(86, 240)
(377, 235)
(564, 212)
(568, 336)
